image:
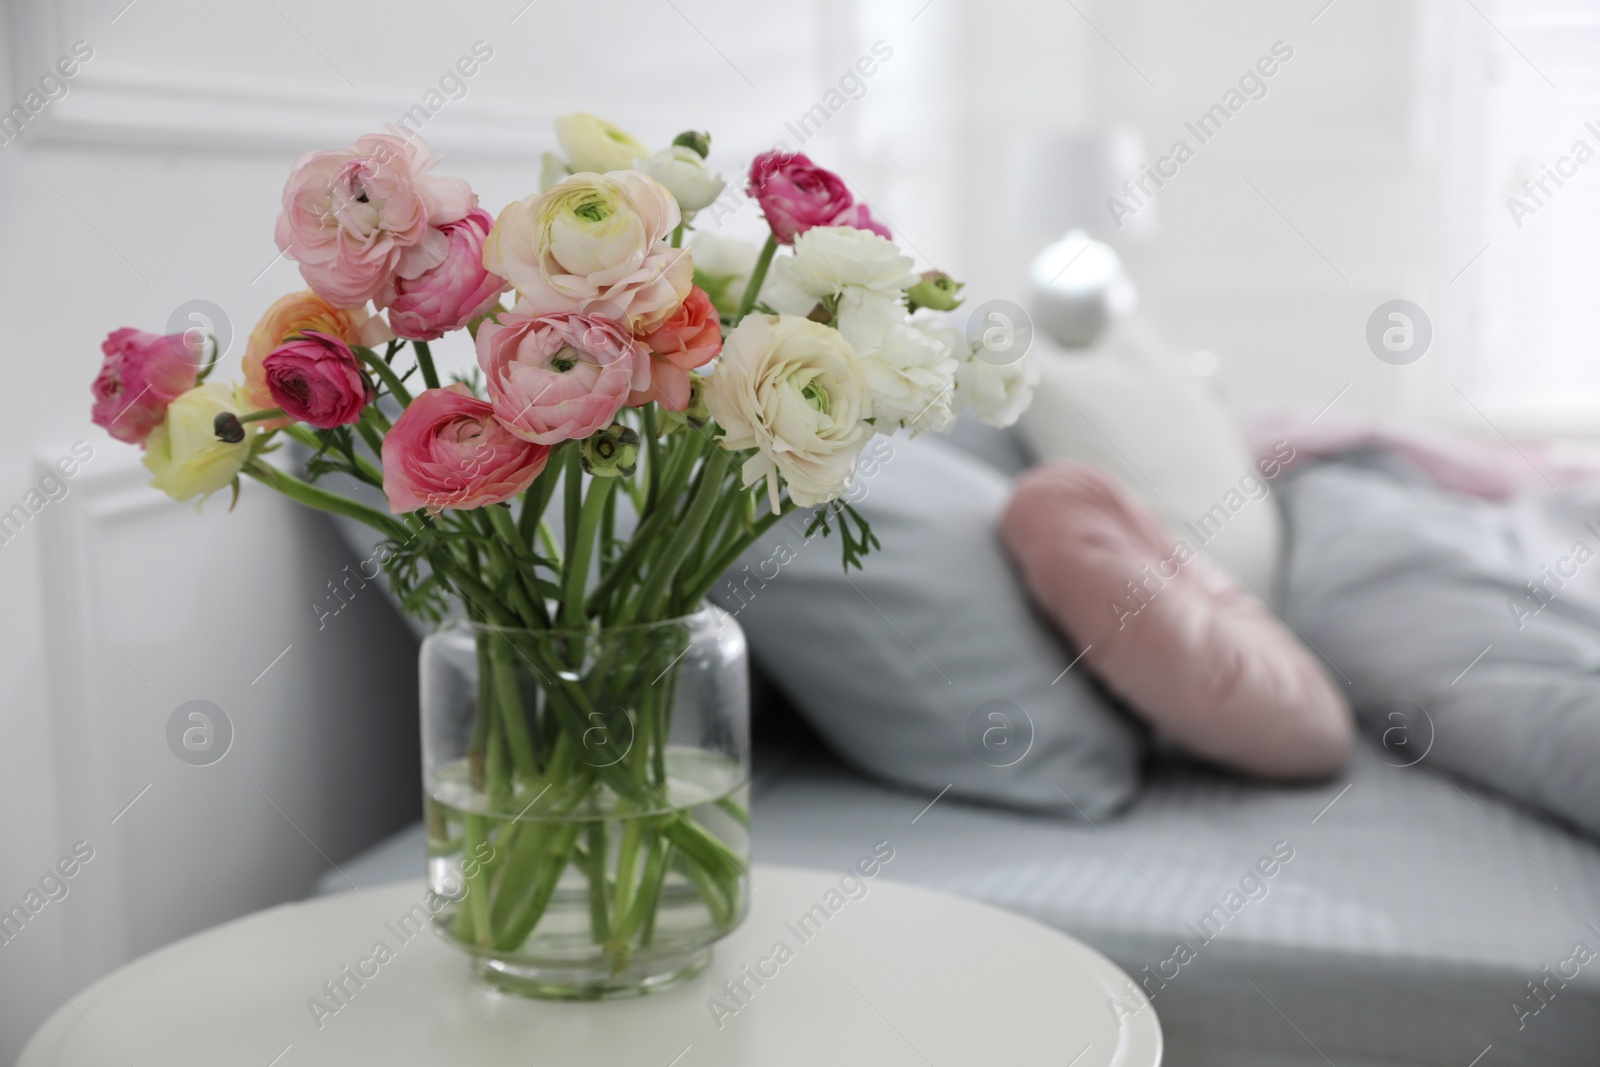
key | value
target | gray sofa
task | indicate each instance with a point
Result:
(1406, 926)
(1388, 917)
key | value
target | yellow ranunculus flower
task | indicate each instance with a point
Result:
(594, 145)
(183, 454)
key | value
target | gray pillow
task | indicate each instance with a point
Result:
(1418, 598)
(1002, 449)
(929, 668)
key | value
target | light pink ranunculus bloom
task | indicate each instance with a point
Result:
(559, 377)
(795, 195)
(447, 450)
(450, 295)
(356, 218)
(316, 379)
(141, 375)
(594, 244)
(691, 338)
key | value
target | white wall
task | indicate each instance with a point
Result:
(156, 181)
(1354, 145)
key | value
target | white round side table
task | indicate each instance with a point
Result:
(898, 975)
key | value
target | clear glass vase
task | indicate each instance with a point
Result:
(587, 800)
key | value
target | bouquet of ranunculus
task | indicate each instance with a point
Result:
(670, 401)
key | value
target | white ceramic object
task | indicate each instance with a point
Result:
(1078, 288)
(899, 975)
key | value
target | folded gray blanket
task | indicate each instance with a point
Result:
(1468, 632)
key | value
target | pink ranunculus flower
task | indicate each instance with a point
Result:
(316, 379)
(691, 338)
(594, 244)
(297, 313)
(795, 194)
(141, 375)
(356, 218)
(447, 450)
(559, 377)
(450, 295)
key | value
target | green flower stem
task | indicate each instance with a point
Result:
(726, 528)
(386, 373)
(374, 441)
(711, 892)
(547, 538)
(554, 861)
(696, 588)
(374, 419)
(497, 783)
(655, 876)
(652, 457)
(430, 377)
(599, 904)
(572, 504)
(752, 288)
(608, 525)
(631, 911)
(472, 924)
(702, 501)
(311, 496)
(581, 550)
(477, 765)
(645, 536)
(627, 860)
(511, 706)
(263, 415)
(500, 522)
(537, 497)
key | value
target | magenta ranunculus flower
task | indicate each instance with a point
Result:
(316, 378)
(141, 375)
(356, 218)
(795, 194)
(447, 450)
(861, 218)
(559, 377)
(450, 295)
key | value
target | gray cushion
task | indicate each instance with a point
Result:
(907, 668)
(1417, 597)
(1000, 448)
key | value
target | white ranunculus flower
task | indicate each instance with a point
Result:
(184, 456)
(793, 390)
(910, 370)
(684, 173)
(722, 267)
(828, 259)
(595, 146)
(998, 393)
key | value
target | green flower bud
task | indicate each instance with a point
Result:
(697, 414)
(936, 290)
(228, 428)
(611, 453)
(692, 139)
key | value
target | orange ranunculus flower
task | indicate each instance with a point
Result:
(294, 314)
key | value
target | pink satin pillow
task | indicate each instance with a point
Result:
(1205, 663)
